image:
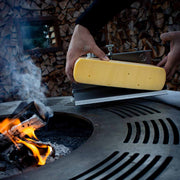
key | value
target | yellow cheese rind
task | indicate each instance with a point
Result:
(119, 74)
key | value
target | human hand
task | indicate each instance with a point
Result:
(172, 60)
(81, 43)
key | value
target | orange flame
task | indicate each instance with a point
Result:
(6, 127)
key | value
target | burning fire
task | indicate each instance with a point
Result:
(18, 134)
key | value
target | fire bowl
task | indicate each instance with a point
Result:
(131, 139)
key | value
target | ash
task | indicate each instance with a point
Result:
(60, 150)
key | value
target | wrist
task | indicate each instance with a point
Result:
(82, 29)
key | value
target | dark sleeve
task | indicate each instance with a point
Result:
(100, 12)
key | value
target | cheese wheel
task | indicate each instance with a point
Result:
(119, 74)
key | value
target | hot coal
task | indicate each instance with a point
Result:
(4, 143)
(55, 136)
(3, 166)
(20, 158)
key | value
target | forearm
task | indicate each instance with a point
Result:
(100, 12)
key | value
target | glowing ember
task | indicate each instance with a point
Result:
(18, 134)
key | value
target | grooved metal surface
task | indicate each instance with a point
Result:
(133, 139)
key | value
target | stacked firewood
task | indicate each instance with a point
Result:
(51, 64)
(134, 28)
(139, 27)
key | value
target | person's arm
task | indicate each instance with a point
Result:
(100, 12)
(82, 41)
(172, 60)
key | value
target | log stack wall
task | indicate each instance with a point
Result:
(132, 29)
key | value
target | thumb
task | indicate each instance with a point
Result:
(167, 36)
(99, 53)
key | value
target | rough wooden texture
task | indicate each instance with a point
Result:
(140, 27)
(34, 122)
(18, 130)
(51, 64)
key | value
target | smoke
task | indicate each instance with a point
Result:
(23, 79)
(20, 78)
(26, 82)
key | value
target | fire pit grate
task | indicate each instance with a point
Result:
(132, 139)
(115, 165)
(119, 166)
(132, 110)
(164, 131)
